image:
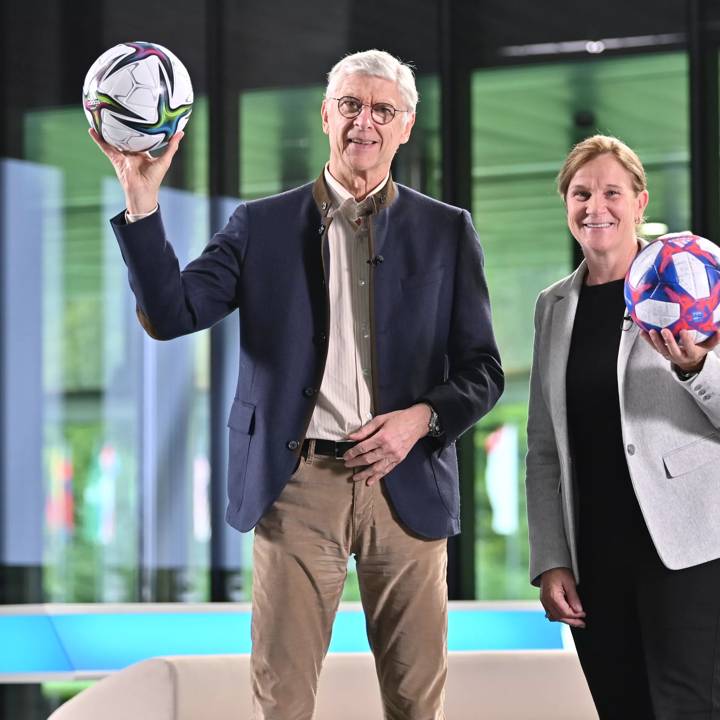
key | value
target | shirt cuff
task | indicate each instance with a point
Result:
(134, 217)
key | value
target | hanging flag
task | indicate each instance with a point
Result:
(501, 478)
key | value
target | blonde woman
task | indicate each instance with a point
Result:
(623, 483)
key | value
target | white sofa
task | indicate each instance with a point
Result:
(534, 685)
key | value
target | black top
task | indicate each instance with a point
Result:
(608, 513)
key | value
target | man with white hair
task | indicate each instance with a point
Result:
(366, 350)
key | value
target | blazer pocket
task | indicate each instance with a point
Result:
(445, 471)
(242, 424)
(422, 279)
(241, 418)
(692, 456)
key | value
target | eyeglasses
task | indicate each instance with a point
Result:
(350, 107)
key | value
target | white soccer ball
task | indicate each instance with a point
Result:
(137, 95)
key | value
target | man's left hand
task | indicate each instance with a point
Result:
(385, 441)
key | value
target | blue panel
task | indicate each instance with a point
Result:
(99, 642)
(468, 630)
(30, 226)
(349, 633)
(110, 642)
(502, 630)
(28, 644)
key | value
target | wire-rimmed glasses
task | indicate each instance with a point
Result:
(381, 112)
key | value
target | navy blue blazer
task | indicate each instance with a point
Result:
(430, 323)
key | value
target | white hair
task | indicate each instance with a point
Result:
(376, 63)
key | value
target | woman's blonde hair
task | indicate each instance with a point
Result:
(592, 147)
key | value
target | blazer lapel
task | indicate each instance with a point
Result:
(627, 339)
(563, 317)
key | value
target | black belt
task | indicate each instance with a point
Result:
(329, 448)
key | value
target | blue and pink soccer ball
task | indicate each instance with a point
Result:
(137, 95)
(674, 283)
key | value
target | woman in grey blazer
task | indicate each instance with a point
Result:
(623, 484)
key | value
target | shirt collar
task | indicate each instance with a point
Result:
(339, 194)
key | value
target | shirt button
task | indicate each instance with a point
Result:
(293, 445)
(362, 283)
(309, 392)
(631, 449)
(365, 372)
(369, 416)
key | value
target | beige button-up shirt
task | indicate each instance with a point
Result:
(344, 400)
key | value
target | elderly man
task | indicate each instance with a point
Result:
(366, 350)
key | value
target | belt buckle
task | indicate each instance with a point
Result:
(341, 447)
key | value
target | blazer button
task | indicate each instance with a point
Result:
(293, 445)
(631, 449)
(320, 339)
(309, 392)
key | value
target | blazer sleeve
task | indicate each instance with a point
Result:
(548, 544)
(705, 387)
(173, 302)
(475, 378)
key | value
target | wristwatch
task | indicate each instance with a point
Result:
(683, 375)
(434, 427)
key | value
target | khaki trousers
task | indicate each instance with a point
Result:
(300, 560)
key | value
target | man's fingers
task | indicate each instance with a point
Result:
(364, 432)
(366, 438)
(367, 458)
(372, 473)
(362, 448)
(384, 468)
(172, 147)
(112, 154)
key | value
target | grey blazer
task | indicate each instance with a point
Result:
(670, 434)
